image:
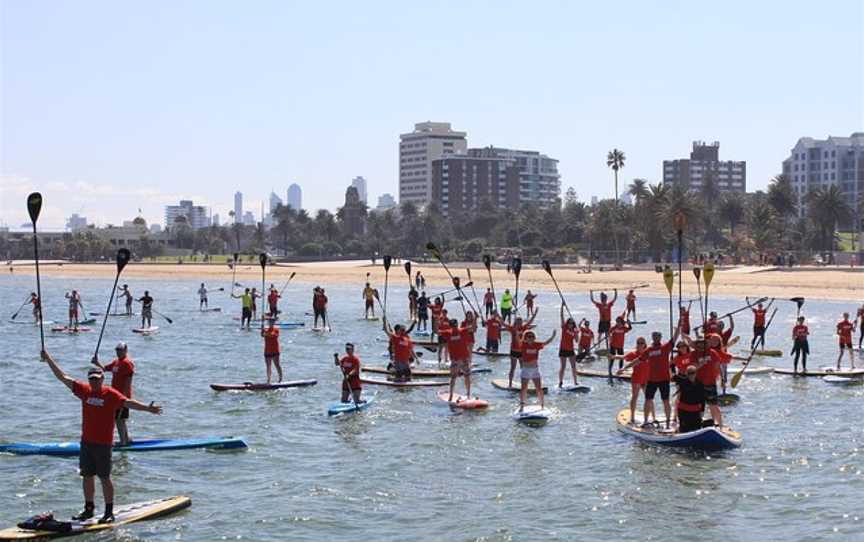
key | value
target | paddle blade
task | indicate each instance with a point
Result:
(468, 284)
(387, 261)
(709, 273)
(34, 206)
(456, 282)
(736, 378)
(697, 272)
(262, 259)
(669, 278)
(236, 255)
(547, 267)
(487, 261)
(408, 269)
(123, 257)
(517, 266)
(430, 246)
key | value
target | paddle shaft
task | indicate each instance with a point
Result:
(107, 311)
(473, 291)
(561, 295)
(737, 377)
(234, 274)
(38, 285)
(21, 307)
(491, 283)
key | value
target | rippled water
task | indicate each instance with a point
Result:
(409, 468)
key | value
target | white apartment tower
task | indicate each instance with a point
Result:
(429, 141)
(238, 207)
(360, 184)
(295, 197)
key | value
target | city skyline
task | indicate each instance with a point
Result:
(226, 124)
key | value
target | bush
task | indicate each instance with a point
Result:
(311, 249)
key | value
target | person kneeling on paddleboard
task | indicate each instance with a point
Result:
(122, 370)
(691, 400)
(99, 405)
(350, 365)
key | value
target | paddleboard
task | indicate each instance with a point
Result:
(145, 330)
(461, 401)
(578, 388)
(423, 373)
(532, 414)
(492, 355)
(113, 314)
(122, 515)
(263, 386)
(289, 325)
(344, 408)
(823, 371)
(214, 309)
(69, 449)
(370, 319)
(409, 384)
(750, 370)
(31, 322)
(421, 334)
(318, 329)
(843, 380)
(706, 438)
(70, 330)
(501, 384)
(626, 375)
(769, 353)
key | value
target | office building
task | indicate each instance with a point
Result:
(539, 181)
(195, 216)
(360, 184)
(385, 202)
(461, 183)
(217, 220)
(295, 197)
(429, 141)
(820, 163)
(238, 206)
(248, 218)
(275, 201)
(705, 164)
(75, 222)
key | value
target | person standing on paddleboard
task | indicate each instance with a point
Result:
(708, 354)
(99, 405)
(639, 377)
(845, 328)
(758, 325)
(437, 308)
(402, 351)
(493, 332)
(246, 303)
(529, 303)
(489, 302)
(319, 307)
(412, 303)
(516, 331)
(604, 308)
(657, 355)
(271, 349)
(506, 305)
(566, 348)
(202, 297)
(859, 321)
(255, 296)
(442, 329)
(529, 370)
(586, 338)
(369, 301)
(350, 366)
(37, 306)
(423, 312)
(617, 336)
(122, 370)
(273, 301)
(630, 313)
(800, 345)
(459, 350)
(74, 303)
(125, 292)
(146, 310)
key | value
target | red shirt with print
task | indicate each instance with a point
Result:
(97, 412)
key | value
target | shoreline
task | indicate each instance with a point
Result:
(817, 283)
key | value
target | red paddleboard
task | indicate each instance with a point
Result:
(460, 401)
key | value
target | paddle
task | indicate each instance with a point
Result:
(487, 262)
(461, 297)
(123, 256)
(736, 378)
(170, 321)
(387, 261)
(451, 290)
(34, 207)
(736, 311)
(234, 273)
(435, 252)
(669, 280)
(345, 379)
(290, 277)
(517, 269)
(709, 274)
(697, 272)
(408, 272)
(799, 302)
(262, 260)
(548, 268)
(473, 291)
(14, 316)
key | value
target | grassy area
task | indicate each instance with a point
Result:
(845, 243)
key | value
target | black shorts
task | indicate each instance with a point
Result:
(422, 314)
(95, 460)
(505, 313)
(758, 331)
(652, 387)
(319, 313)
(492, 345)
(442, 340)
(122, 414)
(516, 355)
(616, 351)
(490, 307)
(801, 345)
(711, 394)
(603, 326)
(247, 312)
(565, 353)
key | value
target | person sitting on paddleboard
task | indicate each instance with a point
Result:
(604, 308)
(125, 292)
(529, 370)
(566, 353)
(691, 400)
(423, 312)
(493, 331)
(631, 306)
(489, 302)
(369, 300)
(800, 345)
(99, 405)
(271, 349)
(273, 298)
(122, 369)
(246, 303)
(617, 335)
(319, 306)
(459, 349)
(845, 328)
(506, 305)
(74, 302)
(516, 331)
(202, 297)
(146, 310)
(402, 350)
(758, 325)
(350, 366)
(586, 339)
(639, 377)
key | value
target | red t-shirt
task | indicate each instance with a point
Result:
(631, 301)
(488, 299)
(121, 375)
(348, 364)
(682, 361)
(457, 343)
(319, 301)
(800, 331)
(436, 311)
(531, 352)
(759, 317)
(516, 337)
(493, 329)
(684, 318)
(402, 347)
(273, 297)
(710, 372)
(616, 336)
(97, 412)
(271, 340)
(568, 336)
(657, 357)
(586, 338)
(712, 326)
(640, 370)
(844, 329)
(605, 310)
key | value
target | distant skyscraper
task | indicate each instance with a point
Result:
(295, 197)
(216, 219)
(195, 215)
(248, 218)
(360, 184)
(75, 222)
(238, 207)
(704, 163)
(429, 141)
(385, 201)
(275, 201)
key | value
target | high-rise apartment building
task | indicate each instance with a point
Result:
(539, 181)
(75, 222)
(820, 163)
(429, 141)
(703, 165)
(385, 202)
(196, 216)
(360, 184)
(295, 197)
(238, 206)
(460, 183)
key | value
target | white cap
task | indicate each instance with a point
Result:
(121, 346)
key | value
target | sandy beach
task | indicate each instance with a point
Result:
(816, 283)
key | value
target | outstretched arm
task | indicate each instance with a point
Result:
(152, 408)
(58, 372)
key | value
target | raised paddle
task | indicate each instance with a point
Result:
(736, 311)
(387, 261)
(262, 261)
(234, 273)
(457, 286)
(473, 291)
(487, 263)
(461, 297)
(708, 273)
(290, 277)
(799, 302)
(451, 290)
(517, 269)
(736, 378)
(548, 268)
(669, 280)
(697, 272)
(34, 207)
(408, 272)
(26, 301)
(123, 257)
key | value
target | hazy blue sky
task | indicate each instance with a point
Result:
(110, 106)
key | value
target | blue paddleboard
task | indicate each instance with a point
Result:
(343, 408)
(69, 449)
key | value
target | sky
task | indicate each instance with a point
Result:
(107, 107)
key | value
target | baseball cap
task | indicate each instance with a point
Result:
(95, 372)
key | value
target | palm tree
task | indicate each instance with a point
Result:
(781, 196)
(827, 207)
(639, 190)
(732, 210)
(615, 160)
